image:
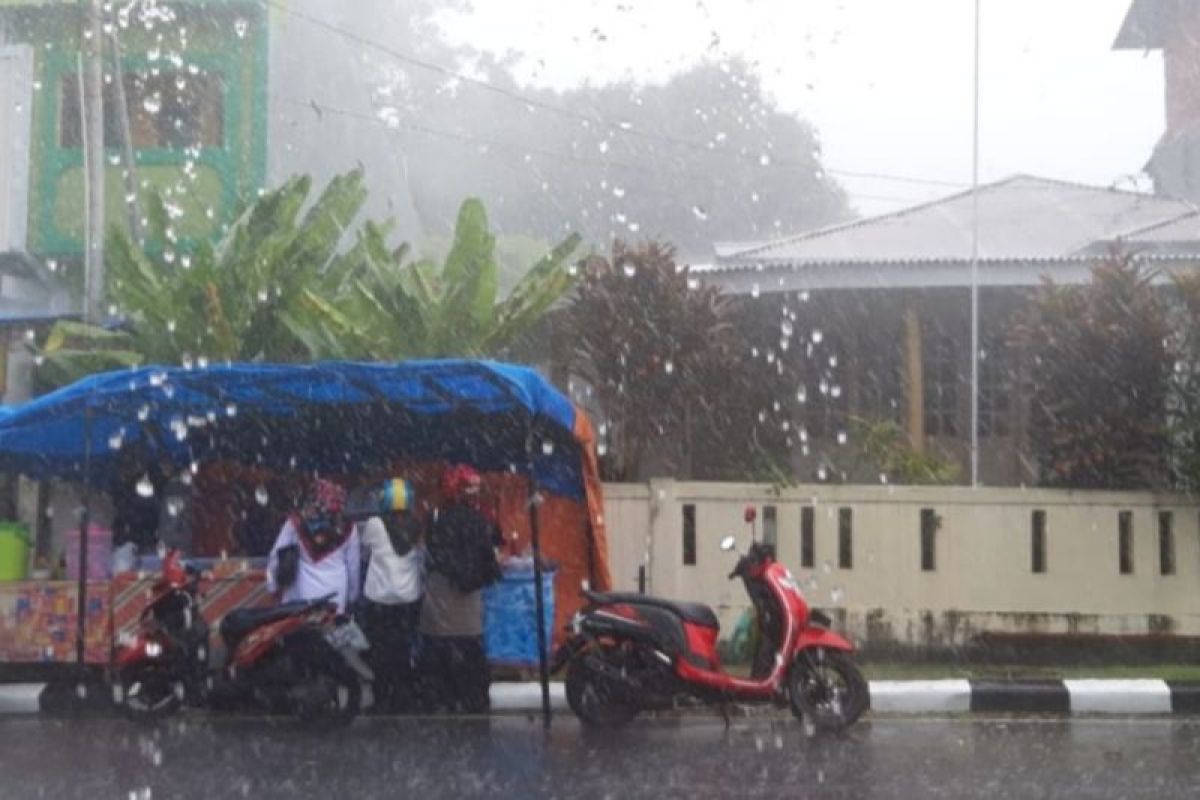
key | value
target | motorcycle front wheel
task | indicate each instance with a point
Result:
(593, 696)
(825, 687)
(149, 691)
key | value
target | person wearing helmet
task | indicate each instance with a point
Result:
(392, 591)
(461, 561)
(317, 552)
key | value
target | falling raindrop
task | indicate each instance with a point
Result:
(144, 487)
(170, 326)
(802, 394)
(764, 159)
(117, 440)
(836, 594)
(669, 367)
(700, 213)
(618, 192)
(231, 410)
(601, 449)
(817, 336)
(835, 391)
(152, 103)
(693, 283)
(240, 26)
(547, 448)
(755, 291)
(822, 474)
(629, 269)
(260, 496)
(841, 437)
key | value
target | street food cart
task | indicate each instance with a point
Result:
(354, 421)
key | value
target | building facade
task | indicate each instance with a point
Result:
(194, 80)
(885, 302)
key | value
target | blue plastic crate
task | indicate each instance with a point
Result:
(510, 637)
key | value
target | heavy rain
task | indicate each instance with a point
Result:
(599, 398)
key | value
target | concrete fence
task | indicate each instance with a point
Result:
(927, 567)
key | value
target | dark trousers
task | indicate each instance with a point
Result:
(392, 632)
(455, 674)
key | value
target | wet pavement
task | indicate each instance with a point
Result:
(513, 757)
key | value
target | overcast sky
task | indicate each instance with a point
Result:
(887, 83)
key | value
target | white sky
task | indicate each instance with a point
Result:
(887, 83)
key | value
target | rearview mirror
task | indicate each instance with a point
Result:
(728, 543)
(750, 514)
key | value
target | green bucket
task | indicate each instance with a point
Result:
(14, 551)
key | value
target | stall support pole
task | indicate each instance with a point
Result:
(539, 602)
(84, 519)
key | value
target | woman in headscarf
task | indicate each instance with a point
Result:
(317, 553)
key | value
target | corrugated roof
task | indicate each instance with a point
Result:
(1022, 218)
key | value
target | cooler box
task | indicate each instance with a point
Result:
(509, 608)
(99, 552)
(14, 551)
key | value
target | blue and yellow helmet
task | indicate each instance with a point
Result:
(396, 494)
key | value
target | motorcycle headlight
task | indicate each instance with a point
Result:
(153, 649)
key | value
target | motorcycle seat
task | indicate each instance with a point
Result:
(698, 613)
(240, 621)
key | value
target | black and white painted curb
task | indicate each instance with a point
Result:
(1078, 696)
(1082, 696)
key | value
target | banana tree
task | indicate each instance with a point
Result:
(244, 298)
(396, 308)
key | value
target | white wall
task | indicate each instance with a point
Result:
(982, 579)
(16, 95)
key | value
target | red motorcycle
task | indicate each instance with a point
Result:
(630, 652)
(297, 657)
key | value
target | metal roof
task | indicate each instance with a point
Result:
(1021, 219)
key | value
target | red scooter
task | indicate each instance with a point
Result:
(630, 652)
(297, 658)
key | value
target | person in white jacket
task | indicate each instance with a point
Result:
(392, 591)
(317, 552)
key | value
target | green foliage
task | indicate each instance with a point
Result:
(668, 369)
(401, 309)
(279, 286)
(1101, 363)
(886, 446)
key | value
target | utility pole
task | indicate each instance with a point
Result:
(93, 157)
(132, 207)
(975, 264)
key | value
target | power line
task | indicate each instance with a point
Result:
(526, 150)
(621, 127)
(882, 176)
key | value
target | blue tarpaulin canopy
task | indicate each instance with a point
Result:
(332, 417)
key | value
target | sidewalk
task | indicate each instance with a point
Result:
(982, 696)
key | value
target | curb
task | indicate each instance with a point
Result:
(982, 696)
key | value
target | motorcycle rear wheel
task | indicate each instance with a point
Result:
(337, 695)
(828, 689)
(592, 696)
(149, 691)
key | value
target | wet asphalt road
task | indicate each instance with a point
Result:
(203, 757)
